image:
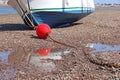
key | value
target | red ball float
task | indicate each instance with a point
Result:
(43, 30)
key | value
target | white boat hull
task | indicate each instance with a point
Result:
(52, 12)
(61, 5)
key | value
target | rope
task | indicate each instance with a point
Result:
(25, 16)
(56, 41)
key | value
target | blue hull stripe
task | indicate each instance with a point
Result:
(69, 10)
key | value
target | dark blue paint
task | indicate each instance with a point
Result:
(55, 19)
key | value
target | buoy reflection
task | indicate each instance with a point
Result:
(42, 60)
(44, 51)
(47, 53)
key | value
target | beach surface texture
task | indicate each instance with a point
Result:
(102, 26)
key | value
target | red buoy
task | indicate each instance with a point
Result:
(43, 30)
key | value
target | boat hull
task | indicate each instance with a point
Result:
(52, 12)
(55, 19)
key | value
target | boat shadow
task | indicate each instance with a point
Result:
(14, 27)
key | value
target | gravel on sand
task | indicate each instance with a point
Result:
(102, 26)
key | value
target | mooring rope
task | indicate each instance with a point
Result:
(56, 41)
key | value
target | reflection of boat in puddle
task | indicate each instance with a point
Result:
(103, 48)
(42, 60)
(9, 72)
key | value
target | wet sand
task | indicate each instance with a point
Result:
(6, 5)
(102, 26)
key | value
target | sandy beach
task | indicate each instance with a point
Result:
(102, 26)
(6, 5)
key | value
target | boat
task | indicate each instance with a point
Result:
(55, 13)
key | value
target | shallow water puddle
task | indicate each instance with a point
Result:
(4, 56)
(42, 58)
(103, 48)
(9, 72)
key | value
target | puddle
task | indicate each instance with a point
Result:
(4, 56)
(42, 65)
(102, 47)
(7, 10)
(42, 59)
(8, 73)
